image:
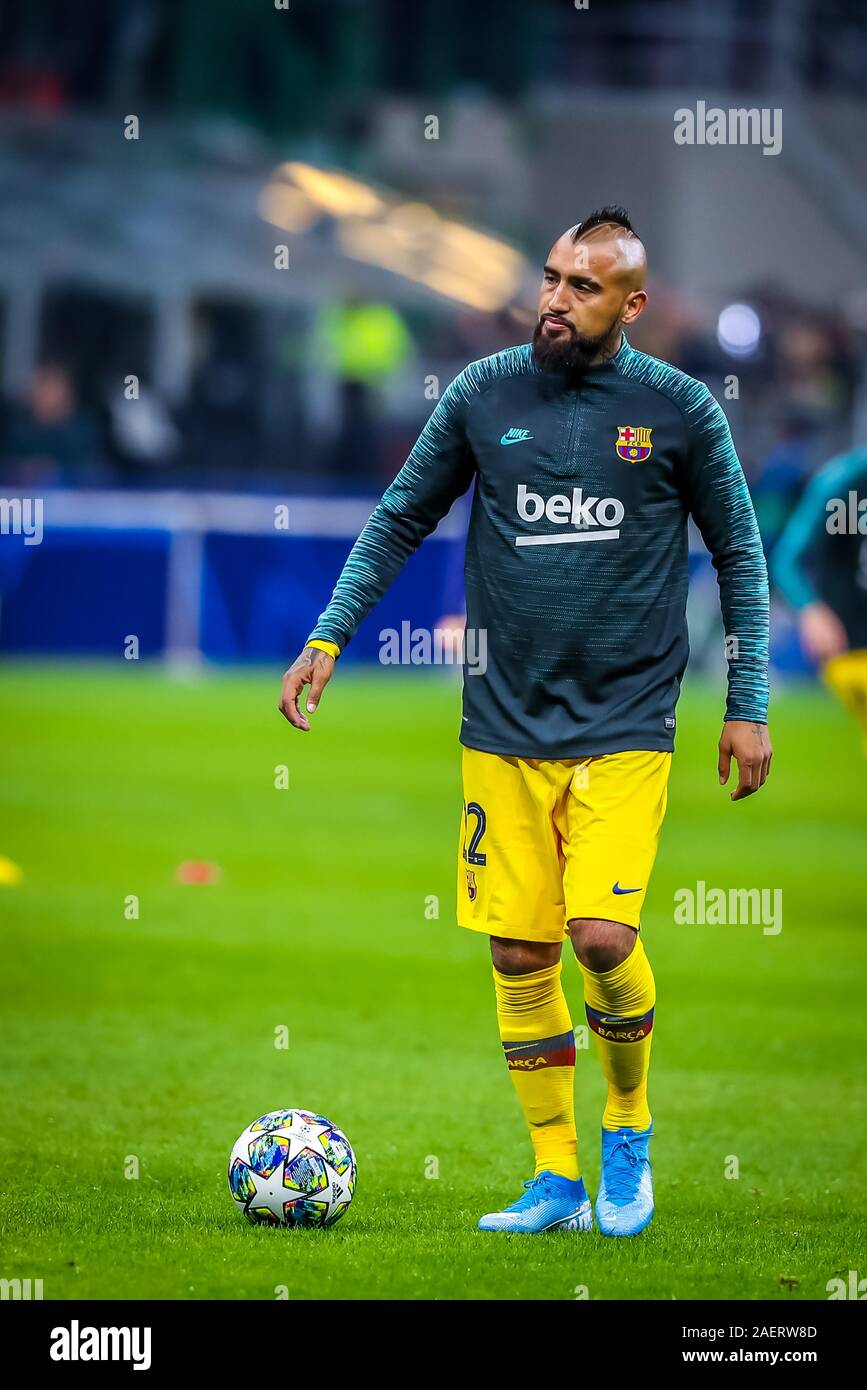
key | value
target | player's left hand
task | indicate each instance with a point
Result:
(750, 746)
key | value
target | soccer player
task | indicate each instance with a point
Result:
(587, 458)
(820, 564)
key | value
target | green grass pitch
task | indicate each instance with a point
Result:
(155, 1037)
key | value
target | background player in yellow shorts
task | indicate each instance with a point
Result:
(820, 564)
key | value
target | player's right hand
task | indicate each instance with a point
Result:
(822, 633)
(314, 668)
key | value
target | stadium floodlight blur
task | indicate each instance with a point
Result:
(408, 238)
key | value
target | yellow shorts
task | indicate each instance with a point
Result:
(847, 676)
(543, 841)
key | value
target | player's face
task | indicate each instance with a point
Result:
(585, 295)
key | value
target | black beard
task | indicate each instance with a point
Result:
(575, 355)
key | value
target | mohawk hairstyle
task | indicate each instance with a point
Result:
(611, 214)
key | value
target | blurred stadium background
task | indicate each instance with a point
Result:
(261, 385)
(408, 256)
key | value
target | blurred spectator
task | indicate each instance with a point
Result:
(50, 439)
(363, 345)
(142, 434)
(782, 475)
(220, 425)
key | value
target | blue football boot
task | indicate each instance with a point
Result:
(624, 1203)
(550, 1203)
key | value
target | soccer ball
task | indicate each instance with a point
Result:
(292, 1168)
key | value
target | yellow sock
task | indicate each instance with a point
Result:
(539, 1044)
(619, 1004)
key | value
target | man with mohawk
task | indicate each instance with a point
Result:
(588, 458)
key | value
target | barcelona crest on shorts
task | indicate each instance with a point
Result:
(633, 443)
(472, 889)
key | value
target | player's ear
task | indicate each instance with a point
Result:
(634, 305)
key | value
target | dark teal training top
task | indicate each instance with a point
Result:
(577, 557)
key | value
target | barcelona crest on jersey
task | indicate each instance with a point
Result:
(633, 443)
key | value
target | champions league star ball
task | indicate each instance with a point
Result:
(292, 1168)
